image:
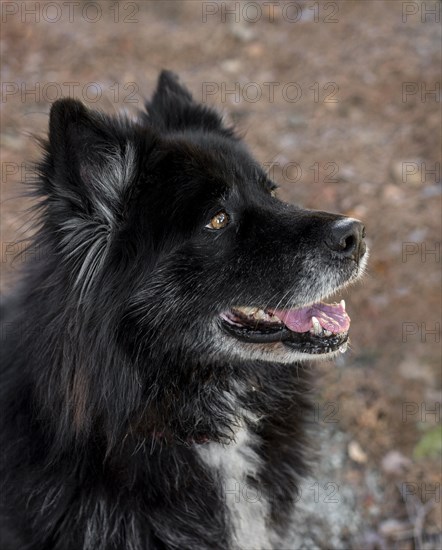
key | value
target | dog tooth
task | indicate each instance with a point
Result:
(343, 348)
(316, 326)
(260, 314)
(327, 332)
(248, 310)
(343, 304)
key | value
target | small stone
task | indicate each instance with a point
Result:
(395, 463)
(412, 368)
(395, 529)
(241, 31)
(356, 453)
(296, 121)
(432, 191)
(231, 65)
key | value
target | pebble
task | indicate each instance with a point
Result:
(356, 453)
(241, 31)
(394, 529)
(432, 191)
(412, 368)
(231, 65)
(395, 463)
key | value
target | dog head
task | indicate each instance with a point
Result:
(175, 213)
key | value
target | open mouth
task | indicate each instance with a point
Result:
(316, 329)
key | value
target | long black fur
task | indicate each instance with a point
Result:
(110, 381)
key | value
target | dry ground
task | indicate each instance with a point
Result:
(336, 98)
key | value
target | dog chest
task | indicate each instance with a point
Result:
(235, 466)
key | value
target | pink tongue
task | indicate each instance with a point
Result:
(331, 317)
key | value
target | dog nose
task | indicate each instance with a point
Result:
(346, 237)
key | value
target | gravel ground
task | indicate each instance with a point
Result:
(341, 100)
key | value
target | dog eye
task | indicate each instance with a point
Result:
(218, 221)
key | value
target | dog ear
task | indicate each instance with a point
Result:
(87, 178)
(93, 161)
(172, 108)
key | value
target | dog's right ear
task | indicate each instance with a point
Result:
(173, 108)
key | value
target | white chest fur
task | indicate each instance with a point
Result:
(246, 506)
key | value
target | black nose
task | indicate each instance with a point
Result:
(346, 237)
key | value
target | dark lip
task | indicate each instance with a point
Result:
(304, 342)
(315, 345)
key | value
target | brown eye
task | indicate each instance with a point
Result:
(219, 221)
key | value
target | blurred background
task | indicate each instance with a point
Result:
(341, 101)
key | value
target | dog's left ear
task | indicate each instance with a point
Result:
(89, 182)
(173, 108)
(92, 163)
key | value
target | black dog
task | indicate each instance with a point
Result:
(151, 386)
